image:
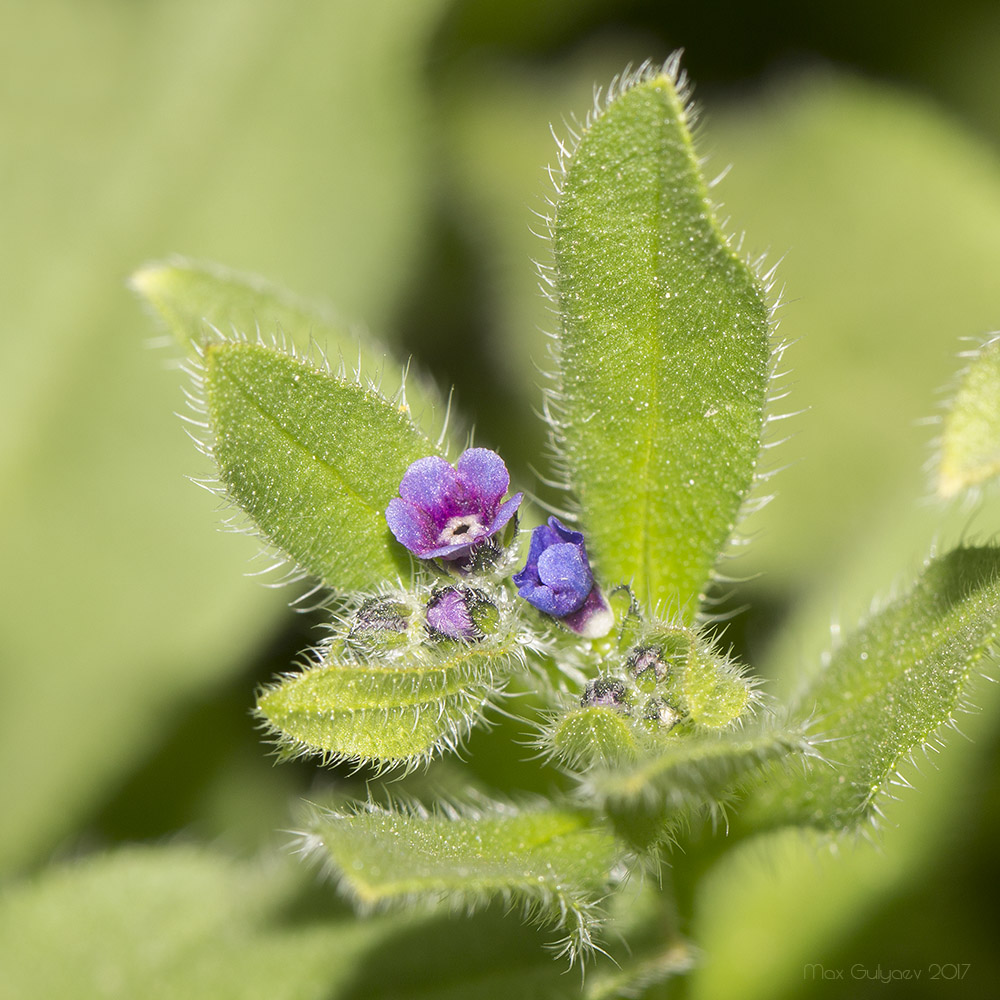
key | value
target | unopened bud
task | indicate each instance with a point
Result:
(606, 692)
(461, 613)
(381, 622)
(660, 714)
(648, 668)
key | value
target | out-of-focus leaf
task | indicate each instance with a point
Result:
(220, 130)
(663, 355)
(166, 923)
(493, 955)
(554, 862)
(887, 691)
(172, 922)
(751, 918)
(886, 215)
(313, 459)
(970, 439)
(194, 299)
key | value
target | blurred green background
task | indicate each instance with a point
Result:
(388, 157)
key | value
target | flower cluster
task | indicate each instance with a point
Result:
(451, 512)
(390, 623)
(643, 691)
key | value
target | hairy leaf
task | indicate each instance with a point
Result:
(887, 691)
(397, 710)
(664, 350)
(648, 798)
(196, 299)
(313, 460)
(554, 862)
(970, 441)
(692, 768)
(591, 734)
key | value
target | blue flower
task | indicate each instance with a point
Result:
(557, 580)
(445, 511)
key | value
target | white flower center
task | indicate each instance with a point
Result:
(467, 528)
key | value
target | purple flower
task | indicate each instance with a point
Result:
(445, 511)
(461, 613)
(557, 580)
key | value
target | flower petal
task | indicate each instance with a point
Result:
(454, 550)
(558, 532)
(485, 474)
(506, 512)
(541, 597)
(563, 567)
(411, 526)
(431, 483)
(594, 618)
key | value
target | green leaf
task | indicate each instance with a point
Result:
(664, 351)
(313, 460)
(399, 710)
(164, 923)
(189, 139)
(194, 300)
(647, 798)
(554, 862)
(693, 767)
(887, 691)
(970, 440)
(592, 734)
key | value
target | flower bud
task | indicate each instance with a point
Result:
(658, 713)
(557, 579)
(381, 623)
(647, 667)
(464, 613)
(606, 692)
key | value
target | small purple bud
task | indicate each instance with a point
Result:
(606, 692)
(446, 511)
(647, 667)
(557, 580)
(461, 613)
